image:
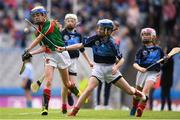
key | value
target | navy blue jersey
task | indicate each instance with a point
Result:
(148, 55)
(103, 51)
(71, 38)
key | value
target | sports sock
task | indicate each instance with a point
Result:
(64, 108)
(74, 90)
(141, 108)
(46, 97)
(135, 102)
(29, 103)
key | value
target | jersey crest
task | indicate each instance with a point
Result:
(145, 52)
(66, 37)
(97, 43)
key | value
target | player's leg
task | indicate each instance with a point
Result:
(169, 98)
(136, 101)
(63, 64)
(64, 99)
(49, 70)
(122, 83)
(65, 79)
(93, 82)
(151, 99)
(28, 93)
(98, 96)
(163, 98)
(147, 87)
(140, 78)
(66, 94)
(72, 69)
(107, 90)
(73, 79)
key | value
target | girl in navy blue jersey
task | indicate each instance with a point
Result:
(105, 54)
(148, 54)
(70, 37)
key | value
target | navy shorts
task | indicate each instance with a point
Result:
(28, 85)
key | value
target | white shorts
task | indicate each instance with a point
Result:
(57, 59)
(141, 78)
(103, 72)
(72, 69)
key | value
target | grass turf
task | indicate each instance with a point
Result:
(84, 114)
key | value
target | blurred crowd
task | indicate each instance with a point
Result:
(129, 16)
(132, 15)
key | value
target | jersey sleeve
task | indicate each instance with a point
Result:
(82, 49)
(138, 56)
(89, 42)
(116, 50)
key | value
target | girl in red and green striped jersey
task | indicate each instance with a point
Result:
(53, 59)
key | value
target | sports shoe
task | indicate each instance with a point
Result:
(70, 99)
(74, 111)
(107, 107)
(64, 109)
(99, 107)
(139, 112)
(44, 111)
(133, 111)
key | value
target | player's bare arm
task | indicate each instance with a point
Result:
(87, 59)
(71, 47)
(117, 66)
(35, 42)
(38, 51)
(139, 68)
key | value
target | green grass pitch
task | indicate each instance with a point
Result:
(84, 114)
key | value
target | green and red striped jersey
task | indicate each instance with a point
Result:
(51, 31)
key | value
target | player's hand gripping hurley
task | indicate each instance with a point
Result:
(170, 54)
(25, 56)
(23, 66)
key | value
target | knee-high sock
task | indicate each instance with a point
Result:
(74, 90)
(99, 93)
(46, 98)
(142, 105)
(107, 93)
(135, 102)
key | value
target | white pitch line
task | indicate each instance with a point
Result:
(29, 113)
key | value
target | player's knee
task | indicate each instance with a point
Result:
(89, 90)
(69, 86)
(48, 84)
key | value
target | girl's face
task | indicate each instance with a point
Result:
(147, 38)
(39, 18)
(104, 31)
(70, 23)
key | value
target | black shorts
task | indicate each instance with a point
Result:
(28, 85)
